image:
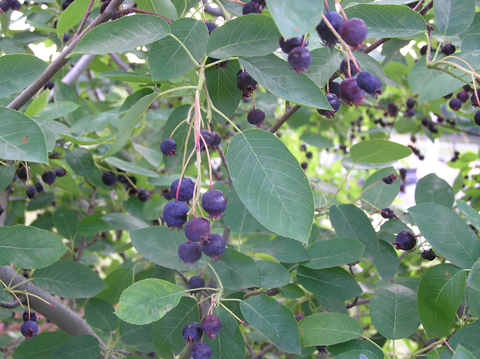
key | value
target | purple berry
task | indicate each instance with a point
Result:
(60, 172)
(214, 247)
(256, 117)
(143, 195)
(49, 177)
(201, 351)
(322, 349)
(109, 178)
(448, 49)
(15, 5)
(197, 229)
(189, 253)
(22, 172)
(405, 240)
(299, 317)
(477, 118)
(216, 139)
(211, 325)
(353, 32)
(344, 68)
(194, 283)
(39, 187)
(390, 179)
(455, 104)
(429, 255)
(210, 26)
(175, 214)
(4, 6)
(251, 8)
(168, 147)
(29, 329)
(411, 103)
(334, 102)
(207, 137)
(324, 31)
(392, 109)
(246, 83)
(214, 203)
(288, 45)
(31, 192)
(300, 58)
(333, 87)
(369, 83)
(185, 192)
(167, 194)
(463, 96)
(33, 316)
(474, 98)
(192, 332)
(387, 213)
(350, 92)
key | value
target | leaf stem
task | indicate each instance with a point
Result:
(187, 51)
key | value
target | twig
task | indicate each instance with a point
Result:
(77, 69)
(284, 118)
(250, 349)
(185, 279)
(10, 305)
(6, 195)
(84, 245)
(85, 17)
(264, 351)
(123, 352)
(118, 60)
(225, 164)
(141, 11)
(357, 302)
(269, 292)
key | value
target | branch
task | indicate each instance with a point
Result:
(6, 196)
(118, 60)
(284, 118)
(77, 69)
(269, 292)
(85, 17)
(10, 305)
(264, 351)
(357, 302)
(84, 245)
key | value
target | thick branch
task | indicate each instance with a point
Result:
(264, 351)
(10, 305)
(118, 60)
(80, 66)
(6, 196)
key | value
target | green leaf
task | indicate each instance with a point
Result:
(330, 283)
(453, 17)
(57, 110)
(164, 7)
(351, 222)
(80, 161)
(29, 247)
(126, 76)
(388, 20)
(379, 151)
(334, 252)
(117, 282)
(236, 270)
(69, 280)
(284, 249)
(122, 35)
(6, 176)
(65, 221)
(317, 140)
(42, 200)
(167, 332)
(355, 345)
(468, 336)
(124, 221)
(249, 35)
(78, 347)
(462, 353)
(362, 354)
(328, 329)
(92, 225)
(168, 59)
(137, 336)
(380, 195)
(447, 233)
(99, 314)
(237, 216)
(469, 213)
(72, 15)
(41, 346)
(130, 167)
(152, 156)
(433, 189)
(273, 320)
(21, 137)
(325, 62)
(18, 71)
(274, 74)
(272, 275)
(129, 121)
(386, 261)
(394, 311)
(148, 300)
(439, 295)
(271, 184)
(38, 103)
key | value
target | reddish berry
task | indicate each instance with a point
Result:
(353, 32)
(350, 92)
(300, 58)
(211, 325)
(324, 31)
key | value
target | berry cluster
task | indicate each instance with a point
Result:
(48, 177)
(29, 328)
(6, 5)
(193, 332)
(110, 179)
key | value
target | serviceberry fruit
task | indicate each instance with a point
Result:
(22, 173)
(350, 92)
(256, 117)
(290, 44)
(473, 99)
(392, 109)
(39, 187)
(31, 192)
(344, 68)
(309, 155)
(322, 349)
(333, 87)
(175, 214)
(324, 31)
(214, 203)
(211, 325)
(214, 247)
(167, 194)
(334, 102)
(450, 95)
(389, 179)
(405, 240)
(448, 49)
(403, 173)
(477, 118)
(4, 6)
(197, 229)
(201, 351)
(33, 316)
(192, 332)
(463, 96)
(246, 83)
(109, 178)
(104, 6)
(210, 26)
(143, 195)
(49, 85)
(29, 329)
(168, 147)
(425, 121)
(353, 32)
(251, 8)
(304, 165)
(216, 139)
(49, 177)
(369, 83)
(410, 112)
(300, 58)
(196, 282)
(207, 137)
(15, 5)
(60, 172)
(299, 317)
(411, 103)
(189, 253)
(429, 255)
(185, 192)
(455, 104)
(387, 213)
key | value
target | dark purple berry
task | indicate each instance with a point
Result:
(467, 88)
(49, 85)
(66, 4)
(66, 37)
(429, 255)
(32, 317)
(251, 8)
(175, 214)
(455, 104)
(411, 103)
(450, 95)
(448, 49)
(425, 121)
(463, 96)
(322, 349)
(214, 203)
(22, 173)
(387, 213)
(49, 177)
(344, 68)
(15, 5)
(207, 137)
(185, 192)
(210, 26)
(216, 139)
(197, 229)
(256, 117)
(477, 118)
(192, 332)
(369, 83)
(392, 109)
(4, 6)
(405, 240)
(334, 102)
(350, 92)
(246, 83)
(324, 31)
(353, 32)
(300, 58)
(109, 178)
(168, 147)
(473, 99)
(211, 325)
(189, 252)
(389, 179)
(309, 155)
(122, 179)
(410, 112)
(60, 172)
(143, 195)
(201, 351)
(299, 317)
(39, 187)
(403, 173)
(194, 283)
(288, 45)
(304, 165)
(29, 329)
(167, 194)
(214, 247)
(333, 87)
(31, 192)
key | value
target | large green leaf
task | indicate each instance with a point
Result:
(328, 329)
(271, 183)
(379, 151)
(148, 300)
(72, 15)
(439, 295)
(69, 280)
(330, 283)
(453, 17)
(380, 195)
(164, 7)
(236, 270)
(284, 249)
(130, 167)
(355, 345)
(65, 221)
(237, 216)
(473, 288)
(334, 252)
(394, 311)
(6, 176)
(351, 222)
(122, 35)
(41, 346)
(78, 347)
(124, 221)
(154, 157)
(17, 71)
(99, 314)
(325, 62)
(29, 247)
(92, 225)
(447, 233)
(273, 320)
(433, 189)
(80, 161)
(137, 336)
(274, 74)
(168, 59)
(386, 261)
(117, 282)
(272, 275)
(388, 20)
(468, 336)
(21, 137)
(57, 110)
(250, 35)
